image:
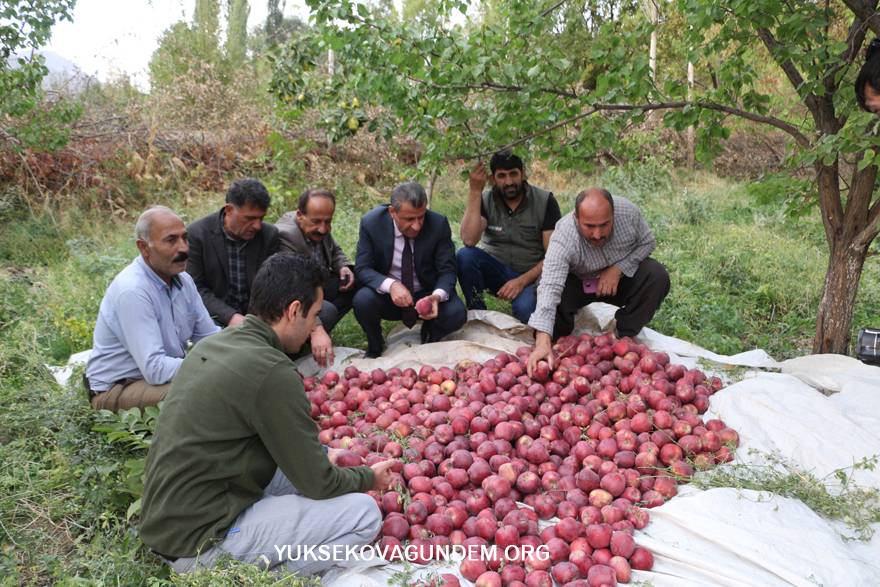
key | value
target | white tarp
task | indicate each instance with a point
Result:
(719, 536)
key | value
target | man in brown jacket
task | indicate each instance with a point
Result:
(307, 231)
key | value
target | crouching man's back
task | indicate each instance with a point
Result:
(236, 467)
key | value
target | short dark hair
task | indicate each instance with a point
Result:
(310, 193)
(581, 196)
(248, 191)
(411, 192)
(505, 159)
(283, 278)
(870, 72)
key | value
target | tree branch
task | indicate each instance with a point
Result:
(789, 68)
(492, 86)
(854, 39)
(552, 8)
(870, 231)
(856, 36)
(531, 135)
(798, 136)
(865, 11)
(792, 130)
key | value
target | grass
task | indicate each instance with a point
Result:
(744, 276)
(835, 496)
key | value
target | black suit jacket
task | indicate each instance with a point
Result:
(433, 251)
(208, 262)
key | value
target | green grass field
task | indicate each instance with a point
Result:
(743, 276)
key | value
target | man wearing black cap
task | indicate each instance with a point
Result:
(515, 220)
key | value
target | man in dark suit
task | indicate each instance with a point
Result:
(226, 249)
(307, 231)
(405, 253)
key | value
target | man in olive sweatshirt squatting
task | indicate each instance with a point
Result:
(236, 467)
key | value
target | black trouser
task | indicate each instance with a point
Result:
(336, 303)
(370, 307)
(638, 296)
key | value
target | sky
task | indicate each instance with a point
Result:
(108, 37)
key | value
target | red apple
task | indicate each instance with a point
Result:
(424, 306)
(641, 559)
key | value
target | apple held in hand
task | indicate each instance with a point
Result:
(424, 306)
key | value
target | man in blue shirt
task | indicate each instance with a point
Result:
(149, 314)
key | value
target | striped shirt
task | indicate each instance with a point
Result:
(630, 243)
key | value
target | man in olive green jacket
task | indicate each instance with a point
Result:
(236, 467)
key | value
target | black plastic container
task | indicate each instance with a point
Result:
(868, 346)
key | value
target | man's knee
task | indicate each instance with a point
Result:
(658, 276)
(468, 258)
(365, 300)
(524, 304)
(374, 519)
(366, 516)
(329, 315)
(455, 314)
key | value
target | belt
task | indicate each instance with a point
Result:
(92, 393)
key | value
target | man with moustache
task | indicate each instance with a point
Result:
(227, 248)
(308, 231)
(149, 314)
(599, 252)
(515, 221)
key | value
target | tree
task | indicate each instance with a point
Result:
(174, 56)
(25, 119)
(206, 24)
(236, 32)
(274, 20)
(569, 79)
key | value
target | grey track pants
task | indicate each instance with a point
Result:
(262, 532)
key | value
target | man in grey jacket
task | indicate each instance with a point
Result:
(307, 231)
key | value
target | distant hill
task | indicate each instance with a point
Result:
(63, 73)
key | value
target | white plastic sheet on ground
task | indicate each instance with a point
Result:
(720, 536)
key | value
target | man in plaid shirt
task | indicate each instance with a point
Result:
(599, 252)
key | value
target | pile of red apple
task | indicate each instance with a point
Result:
(608, 433)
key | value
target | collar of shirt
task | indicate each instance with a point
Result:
(394, 272)
(230, 238)
(257, 324)
(155, 279)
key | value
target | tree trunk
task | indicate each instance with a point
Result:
(834, 321)
(691, 150)
(849, 233)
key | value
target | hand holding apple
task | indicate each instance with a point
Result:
(427, 307)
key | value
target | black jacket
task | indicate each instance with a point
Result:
(208, 262)
(433, 251)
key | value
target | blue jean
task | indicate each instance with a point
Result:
(479, 271)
